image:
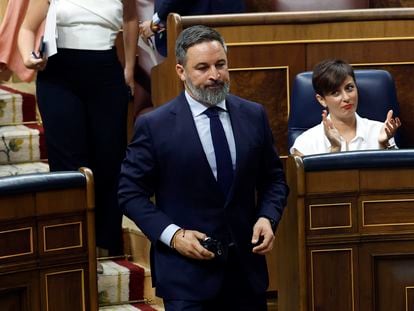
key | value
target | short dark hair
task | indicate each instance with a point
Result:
(192, 36)
(329, 74)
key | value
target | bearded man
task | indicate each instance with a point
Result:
(209, 159)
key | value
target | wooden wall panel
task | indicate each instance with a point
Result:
(346, 180)
(270, 5)
(390, 283)
(331, 216)
(259, 5)
(73, 281)
(21, 206)
(373, 180)
(391, 3)
(20, 291)
(332, 279)
(392, 276)
(368, 53)
(267, 86)
(409, 298)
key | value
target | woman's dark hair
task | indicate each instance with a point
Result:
(329, 74)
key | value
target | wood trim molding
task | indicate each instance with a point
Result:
(271, 18)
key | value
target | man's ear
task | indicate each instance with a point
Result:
(180, 71)
(321, 100)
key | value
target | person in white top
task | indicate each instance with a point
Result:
(342, 129)
(82, 93)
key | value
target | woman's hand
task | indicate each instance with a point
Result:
(129, 80)
(35, 62)
(389, 129)
(331, 133)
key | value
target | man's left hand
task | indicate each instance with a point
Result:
(262, 231)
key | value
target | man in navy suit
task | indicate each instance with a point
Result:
(174, 156)
(162, 8)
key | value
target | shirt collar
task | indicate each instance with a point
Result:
(198, 108)
(360, 128)
(361, 131)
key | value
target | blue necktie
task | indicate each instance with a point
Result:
(221, 150)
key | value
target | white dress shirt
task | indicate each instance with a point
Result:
(314, 140)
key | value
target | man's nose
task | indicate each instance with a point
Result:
(214, 73)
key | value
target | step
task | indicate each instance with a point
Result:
(149, 291)
(23, 168)
(122, 281)
(138, 246)
(17, 107)
(21, 143)
(136, 243)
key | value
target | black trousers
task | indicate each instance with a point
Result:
(235, 293)
(83, 102)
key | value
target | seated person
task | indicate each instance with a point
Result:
(342, 129)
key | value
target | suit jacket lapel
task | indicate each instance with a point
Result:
(191, 141)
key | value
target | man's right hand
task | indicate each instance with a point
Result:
(187, 243)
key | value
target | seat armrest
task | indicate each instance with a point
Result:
(41, 182)
(359, 160)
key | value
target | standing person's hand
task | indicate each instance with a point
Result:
(187, 243)
(3, 67)
(145, 30)
(35, 61)
(129, 80)
(389, 129)
(331, 132)
(263, 236)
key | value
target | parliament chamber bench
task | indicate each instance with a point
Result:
(47, 243)
(346, 239)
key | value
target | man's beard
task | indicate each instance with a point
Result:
(210, 96)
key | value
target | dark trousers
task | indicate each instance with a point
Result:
(235, 293)
(83, 102)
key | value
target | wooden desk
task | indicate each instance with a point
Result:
(346, 239)
(47, 243)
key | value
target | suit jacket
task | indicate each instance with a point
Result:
(166, 158)
(193, 7)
